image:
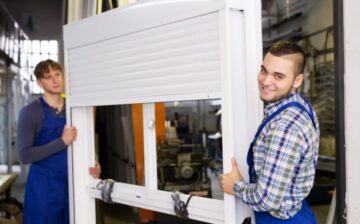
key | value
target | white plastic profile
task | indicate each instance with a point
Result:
(158, 51)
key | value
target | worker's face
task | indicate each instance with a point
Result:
(277, 77)
(52, 82)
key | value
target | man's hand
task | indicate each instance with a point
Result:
(227, 180)
(69, 135)
(95, 171)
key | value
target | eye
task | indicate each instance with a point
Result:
(278, 77)
(262, 71)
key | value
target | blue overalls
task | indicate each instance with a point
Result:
(46, 196)
(305, 215)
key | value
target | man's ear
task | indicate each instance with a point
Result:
(298, 81)
(39, 83)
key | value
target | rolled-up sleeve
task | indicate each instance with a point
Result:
(282, 153)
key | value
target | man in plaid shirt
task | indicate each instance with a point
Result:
(282, 157)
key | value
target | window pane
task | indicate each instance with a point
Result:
(23, 59)
(7, 45)
(16, 57)
(25, 75)
(35, 59)
(44, 57)
(16, 46)
(44, 46)
(28, 61)
(53, 57)
(53, 46)
(27, 46)
(30, 70)
(35, 88)
(35, 46)
(189, 151)
(11, 47)
(119, 142)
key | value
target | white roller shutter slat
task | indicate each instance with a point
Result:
(159, 64)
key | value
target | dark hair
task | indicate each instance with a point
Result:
(43, 67)
(282, 48)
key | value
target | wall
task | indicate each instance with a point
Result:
(46, 17)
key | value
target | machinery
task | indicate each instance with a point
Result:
(183, 167)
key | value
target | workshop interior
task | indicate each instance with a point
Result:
(189, 146)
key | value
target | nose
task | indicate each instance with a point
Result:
(55, 79)
(265, 79)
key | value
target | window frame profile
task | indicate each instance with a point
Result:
(234, 54)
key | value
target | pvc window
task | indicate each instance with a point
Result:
(163, 51)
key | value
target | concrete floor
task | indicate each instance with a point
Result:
(321, 212)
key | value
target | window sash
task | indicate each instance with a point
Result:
(241, 108)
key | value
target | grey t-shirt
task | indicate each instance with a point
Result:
(29, 126)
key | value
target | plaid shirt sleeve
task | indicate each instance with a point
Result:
(282, 146)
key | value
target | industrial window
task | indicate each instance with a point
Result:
(34, 51)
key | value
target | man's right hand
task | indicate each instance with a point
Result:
(69, 135)
(227, 180)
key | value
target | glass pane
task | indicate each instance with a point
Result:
(189, 148)
(44, 46)
(35, 88)
(35, 59)
(31, 71)
(53, 57)
(27, 60)
(16, 57)
(53, 46)
(24, 75)
(23, 58)
(2, 42)
(119, 142)
(44, 57)
(16, 46)
(36, 46)
(11, 48)
(7, 45)
(27, 46)
(2, 78)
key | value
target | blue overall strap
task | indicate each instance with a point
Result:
(250, 156)
(311, 112)
(281, 109)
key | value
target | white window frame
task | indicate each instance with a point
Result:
(240, 57)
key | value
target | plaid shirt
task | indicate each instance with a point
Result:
(285, 156)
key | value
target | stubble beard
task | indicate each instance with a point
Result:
(278, 98)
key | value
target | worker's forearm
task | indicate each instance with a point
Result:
(255, 196)
(37, 153)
